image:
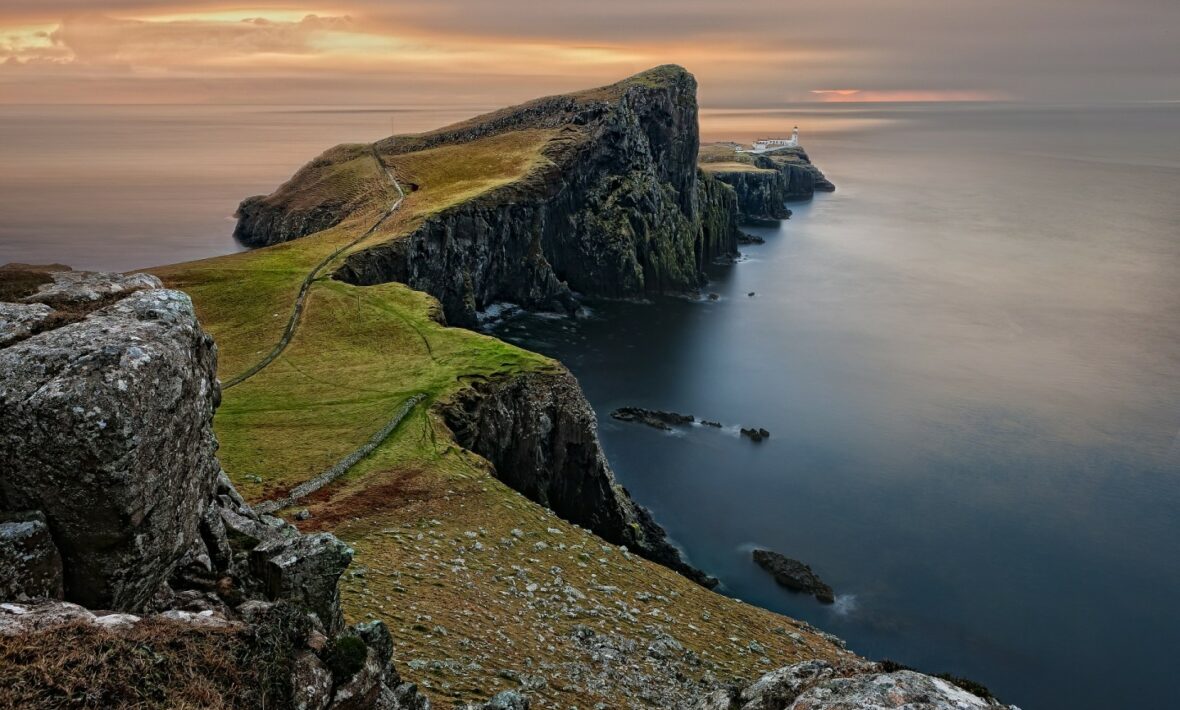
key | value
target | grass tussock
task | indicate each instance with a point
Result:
(157, 663)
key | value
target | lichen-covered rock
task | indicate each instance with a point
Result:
(857, 685)
(541, 436)
(106, 429)
(30, 565)
(304, 571)
(71, 288)
(20, 320)
(311, 683)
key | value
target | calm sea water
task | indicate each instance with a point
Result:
(968, 358)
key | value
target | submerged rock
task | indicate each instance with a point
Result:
(652, 417)
(755, 434)
(794, 575)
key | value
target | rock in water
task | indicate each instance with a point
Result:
(794, 575)
(755, 434)
(652, 417)
(106, 429)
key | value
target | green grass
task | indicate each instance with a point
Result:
(732, 167)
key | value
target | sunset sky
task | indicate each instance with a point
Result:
(751, 53)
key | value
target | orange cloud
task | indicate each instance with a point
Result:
(901, 96)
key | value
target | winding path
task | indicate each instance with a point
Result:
(305, 287)
(343, 465)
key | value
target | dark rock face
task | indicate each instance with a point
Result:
(540, 434)
(817, 685)
(107, 431)
(785, 175)
(30, 565)
(794, 575)
(761, 194)
(802, 178)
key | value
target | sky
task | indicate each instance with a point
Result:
(745, 53)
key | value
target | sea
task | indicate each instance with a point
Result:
(967, 357)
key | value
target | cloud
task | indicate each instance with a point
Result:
(756, 53)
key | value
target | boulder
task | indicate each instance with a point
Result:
(74, 289)
(794, 575)
(902, 689)
(818, 685)
(311, 683)
(107, 431)
(30, 565)
(305, 571)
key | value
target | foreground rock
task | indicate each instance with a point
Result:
(107, 430)
(816, 685)
(541, 436)
(112, 497)
(794, 575)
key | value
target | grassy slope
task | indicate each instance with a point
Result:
(408, 508)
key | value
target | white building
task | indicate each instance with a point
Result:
(764, 145)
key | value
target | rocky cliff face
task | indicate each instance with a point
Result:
(765, 182)
(761, 194)
(802, 178)
(540, 434)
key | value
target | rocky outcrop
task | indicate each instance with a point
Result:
(112, 497)
(654, 418)
(107, 431)
(801, 178)
(794, 575)
(541, 436)
(761, 193)
(817, 685)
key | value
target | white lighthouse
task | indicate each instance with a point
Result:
(764, 145)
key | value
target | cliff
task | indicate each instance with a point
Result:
(608, 203)
(765, 182)
(541, 436)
